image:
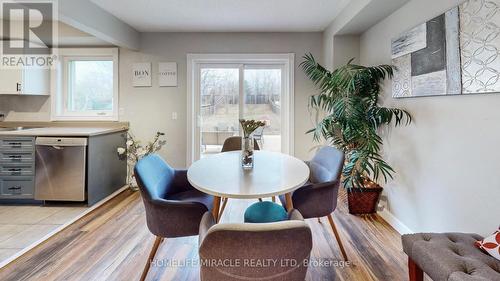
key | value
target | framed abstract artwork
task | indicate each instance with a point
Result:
(454, 53)
(480, 46)
(427, 58)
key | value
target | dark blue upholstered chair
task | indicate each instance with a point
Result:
(173, 207)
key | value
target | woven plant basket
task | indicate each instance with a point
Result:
(363, 201)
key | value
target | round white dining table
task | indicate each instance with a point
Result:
(222, 176)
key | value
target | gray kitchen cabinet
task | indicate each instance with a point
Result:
(17, 188)
(106, 171)
(17, 167)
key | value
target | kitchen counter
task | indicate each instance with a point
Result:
(87, 172)
(63, 131)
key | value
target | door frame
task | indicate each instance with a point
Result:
(194, 61)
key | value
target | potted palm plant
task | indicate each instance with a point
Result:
(349, 97)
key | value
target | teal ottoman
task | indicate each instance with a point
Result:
(266, 211)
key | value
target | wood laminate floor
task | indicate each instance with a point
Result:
(113, 242)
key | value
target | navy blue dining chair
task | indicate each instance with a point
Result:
(173, 207)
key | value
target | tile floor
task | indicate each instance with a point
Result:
(21, 226)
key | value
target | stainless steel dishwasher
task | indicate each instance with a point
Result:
(60, 168)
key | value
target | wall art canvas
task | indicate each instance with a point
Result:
(455, 53)
(427, 58)
(141, 74)
(167, 74)
(480, 46)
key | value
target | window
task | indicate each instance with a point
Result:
(87, 82)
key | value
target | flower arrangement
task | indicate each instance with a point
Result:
(249, 126)
(136, 151)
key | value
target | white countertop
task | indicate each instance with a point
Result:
(62, 131)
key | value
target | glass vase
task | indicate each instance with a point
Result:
(247, 146)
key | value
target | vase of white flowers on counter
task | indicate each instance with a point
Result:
(135, 151)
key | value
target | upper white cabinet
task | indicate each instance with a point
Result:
(27, 81)
(10, 81)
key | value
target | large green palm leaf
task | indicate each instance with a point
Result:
(350, 96)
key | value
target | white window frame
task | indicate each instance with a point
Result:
(194, 61)
(60, 80)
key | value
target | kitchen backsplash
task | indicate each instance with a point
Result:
(25, 108)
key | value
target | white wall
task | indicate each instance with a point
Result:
(346, 47)
(344, 18)
(447, 161)
(356, 17)
(150, 109)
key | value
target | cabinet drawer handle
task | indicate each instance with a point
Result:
(14, 188)
(15, 170)
(15, 156)
(15, 143)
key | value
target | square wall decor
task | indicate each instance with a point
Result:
(141, 74)
(427, 58)
(455, 53)
(167, 74)
(480, 46)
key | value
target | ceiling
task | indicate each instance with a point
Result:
(225, 15)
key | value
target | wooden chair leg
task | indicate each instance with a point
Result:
(152, 254)
(289, 202)
(337, 236)
(274, 199)
(260, 199)
(224, 203)
(414, 271)
(216, 208)
(319, 220)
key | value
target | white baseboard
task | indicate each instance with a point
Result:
(62, 227)
(394, 222)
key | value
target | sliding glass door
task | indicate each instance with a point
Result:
(262, 86)
(219, 108)
(229, 92)
(223, 88)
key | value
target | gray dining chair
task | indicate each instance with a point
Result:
(234, 143)
(318, 197)
(173, 207)
(287, 242)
